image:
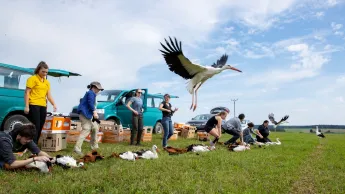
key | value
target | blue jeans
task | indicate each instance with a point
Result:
(168, 129)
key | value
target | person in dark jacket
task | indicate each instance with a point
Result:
(264, 131)
(87, 115)
(18, 140)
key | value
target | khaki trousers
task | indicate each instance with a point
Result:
(87, 127)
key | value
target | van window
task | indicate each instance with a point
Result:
(157, 102)
(150, 102)
(13, 79)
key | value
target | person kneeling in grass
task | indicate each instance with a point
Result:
(213, 126)
(19, 139)
(247, 138)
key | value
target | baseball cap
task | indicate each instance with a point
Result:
(98, 85)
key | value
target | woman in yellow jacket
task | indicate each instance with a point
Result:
(36, 94)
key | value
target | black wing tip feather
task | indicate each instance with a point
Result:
(221, 61)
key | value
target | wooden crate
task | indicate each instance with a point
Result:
(72, 136)
(189, 134)
(203, 135)
(126, 134)
(178, 125)
(99, 137)
(175, 136)
(114, 136)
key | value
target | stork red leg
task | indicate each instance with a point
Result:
(192, 99)
(196, 95)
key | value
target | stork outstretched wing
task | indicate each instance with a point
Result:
(271, 118)
(177, 62)
(221, 62)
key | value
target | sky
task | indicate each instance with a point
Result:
(291, 52)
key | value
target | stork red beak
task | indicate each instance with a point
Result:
(233, 68)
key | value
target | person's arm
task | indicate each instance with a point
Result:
(42, 153)
(51, 100)
(26, 99)
(129, 106)
(163, 109)
(219, 125)
(258, 133)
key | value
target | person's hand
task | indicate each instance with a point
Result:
(261, 136)
(95, 115)
(54, 108)
(135, 112)
(42, 158)
(176, 109)
(168, 110)
(26, 110)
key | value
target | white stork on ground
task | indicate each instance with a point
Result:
(194, 73)
(318, 133)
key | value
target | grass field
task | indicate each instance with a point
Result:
(302, 164)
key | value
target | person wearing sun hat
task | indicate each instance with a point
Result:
(87, 114)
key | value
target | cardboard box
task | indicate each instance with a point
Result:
(53, 142)
(56, 124)
(76, 125)
(99, 137)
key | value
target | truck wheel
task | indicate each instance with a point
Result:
(158, 128)
(12, 120)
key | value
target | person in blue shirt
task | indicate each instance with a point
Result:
(87, 115)
(135, 104)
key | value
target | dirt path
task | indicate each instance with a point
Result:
(305, 184)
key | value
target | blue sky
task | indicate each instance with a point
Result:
(291, 52)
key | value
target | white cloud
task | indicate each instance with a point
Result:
(340, 99)
(319, 14)
(308, 58)
(341, 80)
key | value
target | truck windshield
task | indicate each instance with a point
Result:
(108, 95)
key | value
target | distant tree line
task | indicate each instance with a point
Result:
(309, 127)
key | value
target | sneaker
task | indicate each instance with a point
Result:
(211, 143)
(78, 152)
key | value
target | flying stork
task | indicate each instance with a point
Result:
(195, 74)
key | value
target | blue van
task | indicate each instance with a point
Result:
(111, 106)
(12, 88)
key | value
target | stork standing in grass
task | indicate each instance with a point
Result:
(196, 74)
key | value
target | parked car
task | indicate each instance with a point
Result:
(111, 106)
(12, 88)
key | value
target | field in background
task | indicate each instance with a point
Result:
(323, 130)
(302, 164)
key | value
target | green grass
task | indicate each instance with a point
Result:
(302, 164)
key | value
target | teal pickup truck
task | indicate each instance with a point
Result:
(12, 89)
(111, 106)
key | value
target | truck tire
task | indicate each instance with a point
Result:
(158, 128)
(12, 120)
